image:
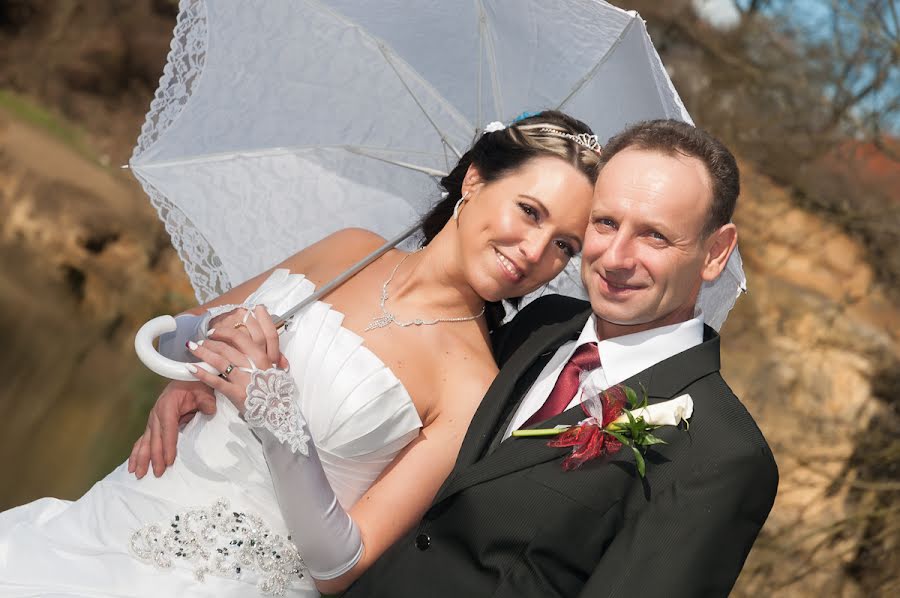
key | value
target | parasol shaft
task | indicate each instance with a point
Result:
(346, 275)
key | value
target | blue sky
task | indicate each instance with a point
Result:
(808, 15)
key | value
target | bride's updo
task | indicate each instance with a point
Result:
(502, 152)
(499, 153)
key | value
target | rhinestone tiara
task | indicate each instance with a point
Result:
(583, 139)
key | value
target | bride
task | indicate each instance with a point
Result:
(351, 419)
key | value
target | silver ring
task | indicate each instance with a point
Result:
(228, 370)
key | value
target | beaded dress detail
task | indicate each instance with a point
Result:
(211, 525)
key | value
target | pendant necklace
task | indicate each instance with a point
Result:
(387, 318)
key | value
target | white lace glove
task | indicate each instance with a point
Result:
(325, 535)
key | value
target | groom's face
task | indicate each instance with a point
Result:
(644, 250)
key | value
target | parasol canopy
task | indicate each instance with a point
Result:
(278, 122)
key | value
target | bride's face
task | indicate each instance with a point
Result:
(518, 232)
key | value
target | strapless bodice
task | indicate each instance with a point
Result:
(359, 413)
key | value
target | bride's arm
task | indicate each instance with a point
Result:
(394, 503)
(400, 497)
(339, 250)
(178, 402)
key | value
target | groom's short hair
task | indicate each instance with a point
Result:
(669, 137)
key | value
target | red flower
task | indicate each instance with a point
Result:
(588, 438)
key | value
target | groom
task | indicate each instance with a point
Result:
(509, 521)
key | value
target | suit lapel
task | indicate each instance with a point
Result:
(511, 382)
(662, 381)
(523, 385)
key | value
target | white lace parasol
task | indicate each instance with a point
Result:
(278, 122)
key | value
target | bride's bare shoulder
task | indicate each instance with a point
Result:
(354, 236)
(337, 251)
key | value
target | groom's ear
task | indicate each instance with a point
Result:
(719, 245)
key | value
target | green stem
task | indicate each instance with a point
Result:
(539, 432)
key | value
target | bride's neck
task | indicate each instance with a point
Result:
(433, 278)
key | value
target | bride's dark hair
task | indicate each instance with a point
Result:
(500, 153)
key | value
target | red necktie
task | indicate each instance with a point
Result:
(585, 359)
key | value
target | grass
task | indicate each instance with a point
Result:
(143, 387)
(28, 111)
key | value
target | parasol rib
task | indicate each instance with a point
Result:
(278, 151)
(385, 51)
(347, 274)
(665, 89)
(479, 89)
(591, 73)
(424, 169)
(486, 39)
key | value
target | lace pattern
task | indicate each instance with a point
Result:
(184, 64)
(202, 265)
(273, 404)
(183, 70)
(221, 542)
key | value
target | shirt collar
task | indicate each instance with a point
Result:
(624, 356)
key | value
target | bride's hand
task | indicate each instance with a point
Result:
(256, 323)
(235, 353)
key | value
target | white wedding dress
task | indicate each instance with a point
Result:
(211, 526)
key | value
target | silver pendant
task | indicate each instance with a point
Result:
(380, 322)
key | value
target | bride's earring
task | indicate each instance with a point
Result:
(459, 205)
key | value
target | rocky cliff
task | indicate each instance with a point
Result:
(812, 349)
(83, 261)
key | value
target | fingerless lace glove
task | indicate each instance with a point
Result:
(323, 532)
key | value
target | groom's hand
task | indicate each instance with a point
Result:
(177, 405)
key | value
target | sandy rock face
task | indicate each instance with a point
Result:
(83, 261)
(805, 350)
(812, 349)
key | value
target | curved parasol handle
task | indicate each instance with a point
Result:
(147, 353)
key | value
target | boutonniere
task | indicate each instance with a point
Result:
(610, 425)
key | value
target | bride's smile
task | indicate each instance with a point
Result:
(519, 231)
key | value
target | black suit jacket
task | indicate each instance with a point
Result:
(510, 522)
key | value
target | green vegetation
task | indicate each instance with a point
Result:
(111, 449)
(30, 112)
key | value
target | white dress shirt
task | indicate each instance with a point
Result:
(621, 358)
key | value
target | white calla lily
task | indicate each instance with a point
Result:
(667, 413)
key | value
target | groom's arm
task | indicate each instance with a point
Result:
(692, 539)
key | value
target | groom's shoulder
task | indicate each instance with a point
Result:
(550, 309)
(543, 311)
(723, 418)
(546, 311)
(729, 422)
